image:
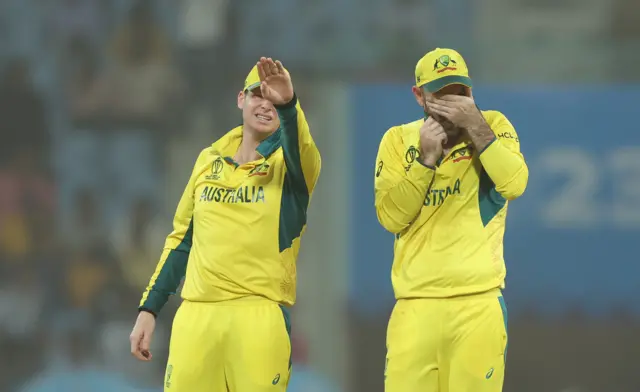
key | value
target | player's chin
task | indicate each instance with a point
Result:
(264, 127)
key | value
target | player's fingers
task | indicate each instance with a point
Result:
(139, 356)
(434, 127)
(145, 342)
(266, 65)
(146, 355)
(143, 351)
(272, 66)
(135, 339)
(440, 136)
(430, 121)
(261, 72)
(452, 98)
(439, 108)
(264, 89)
(280, 67)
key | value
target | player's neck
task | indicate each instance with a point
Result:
(247, 150)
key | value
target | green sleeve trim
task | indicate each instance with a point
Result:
(489, 199)
(505, 316)
(487, 146)
(287, 324)
(427, 166)
(172, 272)
(288, 105)
(295, 195)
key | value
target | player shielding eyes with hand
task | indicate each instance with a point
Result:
(235, 241)
(442, 186)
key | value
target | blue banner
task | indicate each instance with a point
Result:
(569, 239)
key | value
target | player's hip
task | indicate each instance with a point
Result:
(446, 286)
(229, 318)
(244, 342)
(226, 289)
(250, 305)
(451, 315)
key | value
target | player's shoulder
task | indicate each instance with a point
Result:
(218, 147)
(495, 118)
(397, 133)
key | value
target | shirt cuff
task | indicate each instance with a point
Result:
(288, 105)
(143, 309)
(488, 145)
(421, 174)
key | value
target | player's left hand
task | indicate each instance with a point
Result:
(460, 110)
(275, 81)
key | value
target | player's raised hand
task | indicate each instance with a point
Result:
(275, 81)
(432, 137)
(460, 110)
(141, 335)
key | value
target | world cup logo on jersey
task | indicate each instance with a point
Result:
(216, 168)
(410, 157)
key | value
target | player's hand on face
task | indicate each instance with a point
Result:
(141, 335)
(432, 137)
(460, 110)
(275, 81)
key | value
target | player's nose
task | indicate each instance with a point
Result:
(266, 106)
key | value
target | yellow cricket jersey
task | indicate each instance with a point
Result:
(237, 228)
(449, 220)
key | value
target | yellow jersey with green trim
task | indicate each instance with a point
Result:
(449, 220)
(237, 228)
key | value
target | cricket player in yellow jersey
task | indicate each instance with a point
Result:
(442, 185)
(235, 241)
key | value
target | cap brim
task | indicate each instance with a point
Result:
(439, 84)
(252, 86)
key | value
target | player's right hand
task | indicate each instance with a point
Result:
(432, 137)
(141, 336)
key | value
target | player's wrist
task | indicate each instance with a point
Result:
(145, 310)
(288, 105)
(429, 161)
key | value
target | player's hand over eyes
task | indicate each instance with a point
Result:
(275, 81)
(432, 137)
(460, 110)
(141, 335)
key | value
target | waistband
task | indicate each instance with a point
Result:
(252, 300)
(493, 293)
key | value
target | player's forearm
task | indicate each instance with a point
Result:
(398, 206)
(165, 281)
(506, 168)
(301, 155)
(481, 135)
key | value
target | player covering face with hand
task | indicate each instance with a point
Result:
(442, 186)
(235, 240)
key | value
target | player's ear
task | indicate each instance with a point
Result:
(468, 92)
(241, 97)
(417, 92)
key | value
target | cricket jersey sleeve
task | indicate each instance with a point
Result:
(301, 155)
(503, 161)
(172, 266)
(399, 191)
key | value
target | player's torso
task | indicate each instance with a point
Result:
(238, 206)
(236, 217)
(448, 249)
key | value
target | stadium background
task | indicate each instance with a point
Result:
(104, 105)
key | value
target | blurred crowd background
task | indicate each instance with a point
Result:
(104, 105)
